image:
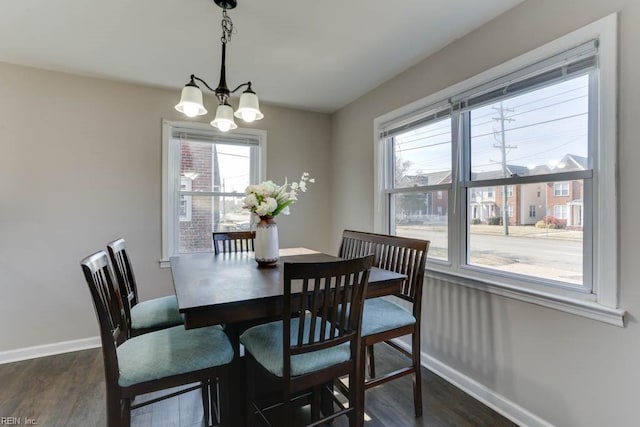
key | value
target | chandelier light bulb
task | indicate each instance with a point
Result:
(224, 118)
(191, 110)
(249, 116)
(224, 126)
(191, 101)
(249, 106)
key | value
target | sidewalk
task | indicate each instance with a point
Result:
(498, 230)
(527, 231)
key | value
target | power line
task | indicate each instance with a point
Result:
(536, 109)
(535, 124)
(536, 100)
(423, 146)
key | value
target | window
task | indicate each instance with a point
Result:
(560, 211)
(417, 155)
(538, 127)
(561, 189)
(205, 174)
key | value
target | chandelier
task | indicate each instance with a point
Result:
(191, 99)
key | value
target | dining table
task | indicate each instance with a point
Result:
(232, 290)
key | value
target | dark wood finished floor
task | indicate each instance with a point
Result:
(68, 390)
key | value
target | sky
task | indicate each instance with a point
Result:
(541, 127)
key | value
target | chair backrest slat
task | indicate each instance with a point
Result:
(327, 301)
(233, 241)
(123, 269)
(399, 254)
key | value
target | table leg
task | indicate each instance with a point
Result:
(237, 383)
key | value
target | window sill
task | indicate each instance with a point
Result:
(588, 309)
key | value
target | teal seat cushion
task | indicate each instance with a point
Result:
(171, 352)
(264, 342)
(156, 313)
(381, 315)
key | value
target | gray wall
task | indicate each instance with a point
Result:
(569, 370)
(80, 165)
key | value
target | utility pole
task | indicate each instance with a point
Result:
(502, 145)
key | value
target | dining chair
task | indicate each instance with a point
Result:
(313, 344)
(233, 241)
(383, 320)
(157, 360)
(144, 316)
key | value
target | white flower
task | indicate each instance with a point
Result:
(272, 204)
(262, 209)
(303, 186)
(251, 200)
(285, 211)
(312, 180)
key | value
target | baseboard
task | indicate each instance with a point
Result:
(480, 392)
(26, 353)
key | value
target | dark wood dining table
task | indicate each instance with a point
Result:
(230, 289)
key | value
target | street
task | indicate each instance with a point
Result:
(540, 255)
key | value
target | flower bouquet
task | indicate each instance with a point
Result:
(267, 200)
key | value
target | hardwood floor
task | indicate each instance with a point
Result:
(68, 390)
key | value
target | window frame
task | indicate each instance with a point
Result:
(602, 301)
(170, 174)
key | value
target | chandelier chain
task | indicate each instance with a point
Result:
(227, 27)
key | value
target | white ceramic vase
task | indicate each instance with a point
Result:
(266, 242)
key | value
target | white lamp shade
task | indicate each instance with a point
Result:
(224, 118)
(248, 107)
(191, 102)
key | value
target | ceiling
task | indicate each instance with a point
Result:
(309, 54)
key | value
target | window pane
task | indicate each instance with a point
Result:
(215, 167)
(423, 155)
(210, 214)
(540, 132)
(543, 237)
(423, 216)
